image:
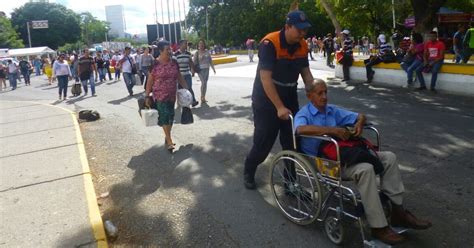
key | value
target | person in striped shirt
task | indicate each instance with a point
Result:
(347, 58)
(186, 66)
(385, 55)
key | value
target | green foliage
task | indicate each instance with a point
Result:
(63, 24)
(231, 22)
(8, 36)
(92, 29)
(466, 6)
(132, 42)
(70, 47)
(370, 17)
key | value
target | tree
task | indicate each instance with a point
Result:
(231, 22)
(329, 10)
(8, 36)
(425, 13)
(93, 30)
(63, 24)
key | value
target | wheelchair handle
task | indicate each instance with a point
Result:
(293, 130)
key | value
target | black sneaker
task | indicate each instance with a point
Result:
(249, 182)
(433, 90)
(195, 103)
(421, 88)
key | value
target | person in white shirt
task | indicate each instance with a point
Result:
(62, 71)
(127, 64)
(12, 74)
(115, 63)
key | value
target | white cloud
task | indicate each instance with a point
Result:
(137, 13)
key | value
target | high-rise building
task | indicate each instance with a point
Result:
(114, 15)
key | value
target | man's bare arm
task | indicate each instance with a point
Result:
(271, 92)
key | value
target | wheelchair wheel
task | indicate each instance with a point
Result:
(334, 230)
(295, 187)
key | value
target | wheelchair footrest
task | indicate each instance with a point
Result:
(375, 244)
(399, 230)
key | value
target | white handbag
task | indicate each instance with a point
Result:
(150, 117)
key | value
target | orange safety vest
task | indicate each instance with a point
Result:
(282, 53)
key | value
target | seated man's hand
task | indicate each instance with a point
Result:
(358, 130)
(342, 133)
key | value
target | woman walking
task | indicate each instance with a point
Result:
(202, 59)
(62, 72)
(48, 70)
(100, 64)
(146, 62)
(162, 84)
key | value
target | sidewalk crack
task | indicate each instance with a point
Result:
(43, 182)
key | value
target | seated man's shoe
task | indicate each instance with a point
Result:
(249, 181)
(387, 235)
(404, 218)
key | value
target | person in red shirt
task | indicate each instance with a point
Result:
(433, 59)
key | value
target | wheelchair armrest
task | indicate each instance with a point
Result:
(325, 138)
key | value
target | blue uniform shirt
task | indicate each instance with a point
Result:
(283, 70)
(310, 115)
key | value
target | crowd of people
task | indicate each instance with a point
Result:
(87, 67)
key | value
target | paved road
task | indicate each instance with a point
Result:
(196, 198)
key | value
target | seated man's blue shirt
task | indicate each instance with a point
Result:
(310, 115)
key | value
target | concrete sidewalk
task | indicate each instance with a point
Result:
(47, 197)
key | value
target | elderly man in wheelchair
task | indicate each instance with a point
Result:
(317, 118)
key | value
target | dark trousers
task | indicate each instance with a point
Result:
(26, 76)
(368, 66)
(62, 85)
(267, 126)
(346, 63)
(328, 58)
(107, 66)
(310, 54)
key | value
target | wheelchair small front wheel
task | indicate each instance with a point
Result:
(295, 187)
(334, 230)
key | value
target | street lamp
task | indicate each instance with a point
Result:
(106, 33)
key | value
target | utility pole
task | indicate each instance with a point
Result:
(174, 24)
(184, 11)
(28, 30)
(207, 26)
(163, 20)
(180, 26)
(393, 14)
(169, 19)
(156, 21)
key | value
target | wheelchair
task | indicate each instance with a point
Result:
(308, 189)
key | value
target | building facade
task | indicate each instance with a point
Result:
(115, 16)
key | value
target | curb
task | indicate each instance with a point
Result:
(94, 212)
(224, 60)
(95, 218)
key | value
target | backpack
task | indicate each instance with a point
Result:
(352, 151)
(89, 115)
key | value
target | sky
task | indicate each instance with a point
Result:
(138, 13)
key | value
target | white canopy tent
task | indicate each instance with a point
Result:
(33, 51)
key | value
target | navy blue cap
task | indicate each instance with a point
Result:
(298, 19)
